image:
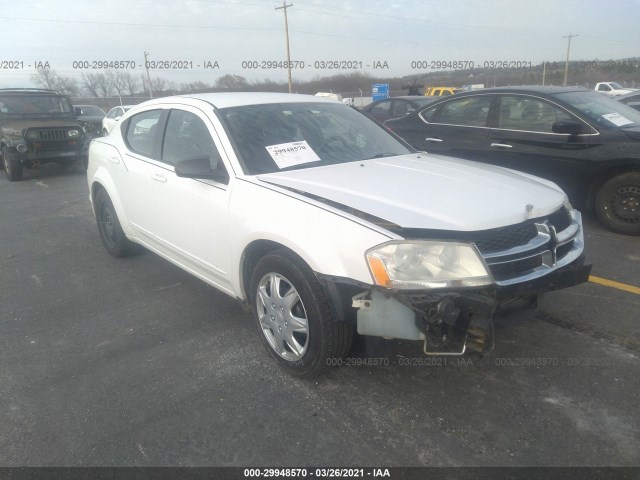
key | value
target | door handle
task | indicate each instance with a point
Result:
(501, 145)
(433, 140)
(159, 178)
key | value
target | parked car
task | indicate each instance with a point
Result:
(322, 223)
(395, 107)
(613, 89)
(90, 118)
(113, 116)
(440, 91)
(632, 99)
(37, 126)
(586, 142)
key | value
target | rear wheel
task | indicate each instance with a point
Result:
(12, 166)
(293, 315)
(111, 233)
(618, 203)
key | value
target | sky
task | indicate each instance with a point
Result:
(380, 38)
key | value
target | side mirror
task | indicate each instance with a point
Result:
(567, 126)
(199, 167)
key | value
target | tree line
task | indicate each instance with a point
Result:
(119, 83)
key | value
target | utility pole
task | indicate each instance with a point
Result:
(544, 71)
(286, 29)
(566, 65)
(146, 65)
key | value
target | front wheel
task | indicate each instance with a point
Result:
(13, 167)
(293, 315)
(111, 233)
(618, 203)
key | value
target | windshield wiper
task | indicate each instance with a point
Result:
(382, 155)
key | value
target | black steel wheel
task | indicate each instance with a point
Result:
(111, 233)
(618, 203)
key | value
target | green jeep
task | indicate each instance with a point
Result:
(38, 126)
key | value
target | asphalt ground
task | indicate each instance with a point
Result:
(133, 362)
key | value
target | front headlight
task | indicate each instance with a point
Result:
(427, 264)
(73, 132)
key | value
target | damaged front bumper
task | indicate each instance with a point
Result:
(447, 322)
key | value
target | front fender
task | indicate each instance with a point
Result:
(329, 242)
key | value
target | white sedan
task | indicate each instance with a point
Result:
(324, 224)
(112, 117)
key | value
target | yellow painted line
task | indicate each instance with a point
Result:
(612, 284)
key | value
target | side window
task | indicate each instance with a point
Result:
(529, 114)
(382, 108)
(604, 88)
(468, 111)
(427, 114)
(186, 137)
(113, 113)
(142, 132)
(400, 108)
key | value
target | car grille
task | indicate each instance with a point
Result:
(505, 238)
(529, 250)
(52, 134)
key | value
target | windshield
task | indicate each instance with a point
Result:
(89, 111)
(34, 105)
(602, 109)
(616, 86)
(275, 137)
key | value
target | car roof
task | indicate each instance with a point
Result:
(30, 91)
(547, 89)
(238, 99)
(627, 95)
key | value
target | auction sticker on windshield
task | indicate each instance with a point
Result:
(617, 119)
(293, 153)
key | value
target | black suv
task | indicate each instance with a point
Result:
(37, 126)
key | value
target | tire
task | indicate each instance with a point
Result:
(618, 203)
(295, 324)
(111, 233)
(13, 168)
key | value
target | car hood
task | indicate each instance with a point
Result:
(91, 119)
(428, 191)
(632, 132)
(22, 123)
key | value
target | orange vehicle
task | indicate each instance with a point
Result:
(440, 91)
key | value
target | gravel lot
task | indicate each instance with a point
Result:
(111, 362)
